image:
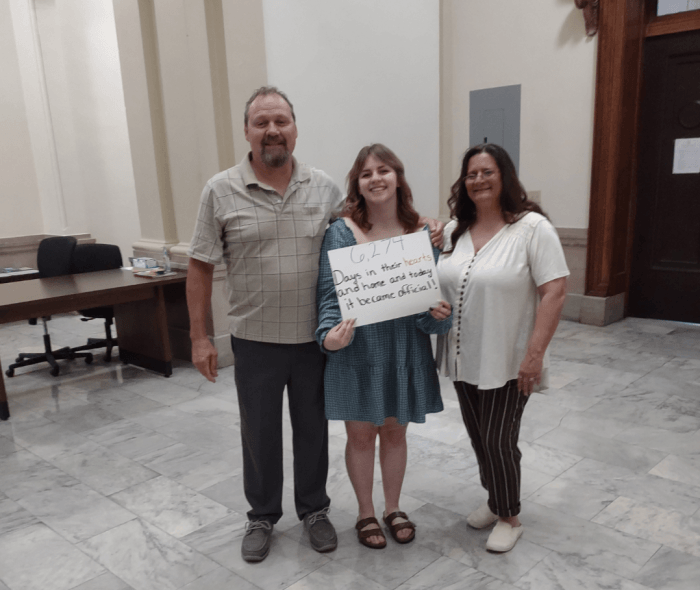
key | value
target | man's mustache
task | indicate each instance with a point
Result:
(278, 141)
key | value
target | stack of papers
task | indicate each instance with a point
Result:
(25, 270)
(153, 272)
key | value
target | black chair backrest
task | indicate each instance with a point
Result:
(55, 255)
(92, 257)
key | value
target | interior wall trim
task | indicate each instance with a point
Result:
(55, 196)
(614, 164)
(151, 53)
(19, 251)
(216, 37)
(573, 236)
(668, 24)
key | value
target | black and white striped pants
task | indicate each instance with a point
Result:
(492, 418)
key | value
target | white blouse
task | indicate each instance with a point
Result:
(493, 294)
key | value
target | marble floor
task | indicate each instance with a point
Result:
(114, 478)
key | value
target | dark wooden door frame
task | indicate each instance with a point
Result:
(623, 26)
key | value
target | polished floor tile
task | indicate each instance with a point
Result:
(683, 469)
(220, 579)
(106, 581)
(114, 478)
(288, 562)
(645, 487)
(189, 466)
(37, 557)
(75, 512)
(334, 576)
(666, 527)
(23, 474)
(596, 545)
(171, 506)
(557, 571)
(13, 516)
(451, 575)
(669, 569)
(146, 557)
(572, 497)
(592, 446)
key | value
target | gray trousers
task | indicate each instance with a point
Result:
(262, 371)
(492, 418)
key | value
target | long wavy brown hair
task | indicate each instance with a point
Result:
(355, 205)
(513, 200)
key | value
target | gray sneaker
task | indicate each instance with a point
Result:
(257, 540)
(321, 532)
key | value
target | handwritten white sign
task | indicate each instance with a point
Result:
(386, 279)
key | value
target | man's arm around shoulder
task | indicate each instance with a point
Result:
(199, 286)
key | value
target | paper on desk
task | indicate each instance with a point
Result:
(25, 270)
(686, 156)
(153, 273)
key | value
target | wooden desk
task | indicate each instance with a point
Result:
(140, 311)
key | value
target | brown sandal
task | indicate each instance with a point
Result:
(364, 535)
(395, 528)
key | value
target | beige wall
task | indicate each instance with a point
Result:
(19, 191)
(96, 113)
(353, 84)
(187, 69)
(543, 47)
(127, 107)
(205, 60)
(71, 87)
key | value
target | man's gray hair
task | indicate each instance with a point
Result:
(266, 91)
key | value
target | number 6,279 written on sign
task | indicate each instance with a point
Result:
(386, 279)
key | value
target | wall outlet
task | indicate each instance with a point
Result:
(535, 196)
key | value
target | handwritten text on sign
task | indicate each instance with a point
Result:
(386, 279)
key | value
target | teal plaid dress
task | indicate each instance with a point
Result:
(388, 369)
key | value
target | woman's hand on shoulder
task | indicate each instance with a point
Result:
(435, 228)
(339, 336)
(441, 311)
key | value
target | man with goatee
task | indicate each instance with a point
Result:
(265, 218)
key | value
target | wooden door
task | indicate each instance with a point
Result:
(665, 270)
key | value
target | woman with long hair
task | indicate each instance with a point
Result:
(381, 376)
(501, 256)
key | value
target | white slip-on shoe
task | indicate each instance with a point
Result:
(503, 537)
(481, 517)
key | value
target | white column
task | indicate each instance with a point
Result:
(188, 67)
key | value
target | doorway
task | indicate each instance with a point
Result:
(665, 266)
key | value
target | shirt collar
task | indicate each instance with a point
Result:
(300, 173)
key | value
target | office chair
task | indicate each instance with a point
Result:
(53, 259)
(90, 258)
